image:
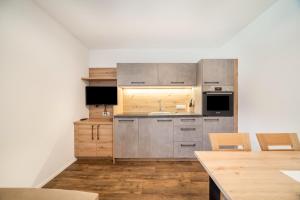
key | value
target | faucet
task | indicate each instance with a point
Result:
(160, 105)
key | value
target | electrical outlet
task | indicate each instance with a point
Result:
(106, 114)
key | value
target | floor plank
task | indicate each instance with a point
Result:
(136, 180)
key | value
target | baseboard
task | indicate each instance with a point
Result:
(43, 183)
(157, 159)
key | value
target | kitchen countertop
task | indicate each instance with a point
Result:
(94, 121)
(126, 115)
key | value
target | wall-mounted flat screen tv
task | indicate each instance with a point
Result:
(95, 95)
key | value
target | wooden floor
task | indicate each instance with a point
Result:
(135, 180)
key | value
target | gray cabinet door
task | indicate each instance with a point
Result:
(218, 72)
(177, 73)
(215, 125)
(137, 74)
(126, 137)
(155, 138)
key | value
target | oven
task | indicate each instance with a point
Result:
(217, 104)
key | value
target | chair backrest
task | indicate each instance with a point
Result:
(278, 141)
(230, 141)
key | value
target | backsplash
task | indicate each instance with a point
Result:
(141, 100)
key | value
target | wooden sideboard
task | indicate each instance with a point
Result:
(94, 137)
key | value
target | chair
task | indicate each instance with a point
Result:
(278, 141)
(230, 141)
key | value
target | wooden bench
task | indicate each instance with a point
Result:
(45, 194)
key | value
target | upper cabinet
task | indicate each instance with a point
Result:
(137, 74)
(151, 74)
(217, 72)
(177, 74)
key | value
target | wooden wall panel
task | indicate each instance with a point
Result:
(236, 95)
(147, 100)
(96, 113)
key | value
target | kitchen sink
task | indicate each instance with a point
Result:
(160, 113)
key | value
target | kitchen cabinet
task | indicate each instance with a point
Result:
(167, 136)
(93, 139)
(137, 74)
(177, 74)
(218, 72)
(104, 143)
(216, 125)
(187, 136)
(155, 138)
(126, 137)
(85, 141)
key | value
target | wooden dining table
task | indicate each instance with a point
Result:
(251, 175)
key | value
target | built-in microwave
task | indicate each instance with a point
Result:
(217, 104)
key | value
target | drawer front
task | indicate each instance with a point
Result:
(186, 149)
(196, 121)
(188, 133)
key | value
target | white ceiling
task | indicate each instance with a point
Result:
(110, 24)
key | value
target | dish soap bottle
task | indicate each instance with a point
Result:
(191, 106)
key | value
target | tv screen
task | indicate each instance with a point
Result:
(101, 95)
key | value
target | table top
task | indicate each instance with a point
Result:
(253, 175)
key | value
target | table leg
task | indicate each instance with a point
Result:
(214, 192)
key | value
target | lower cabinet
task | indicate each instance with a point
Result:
(126, 137)
(155, 138)
(165, 137)
(93, 140)
(215, 125)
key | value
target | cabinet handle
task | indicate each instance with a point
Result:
(188, 145)
(188, 129)
(177, 82)
(138, 82)
(98, 131)
(126, 120)
(212, 119)
(92, 132)
(211, 82)
(164, 120)
(218, 93)
(186, 120)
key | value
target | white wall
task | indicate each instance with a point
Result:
(41, 94)
(268, 50)
(269, 66)
(109, 58)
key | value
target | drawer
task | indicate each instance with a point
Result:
(186, 149)
(188, 133)
(196, 121)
